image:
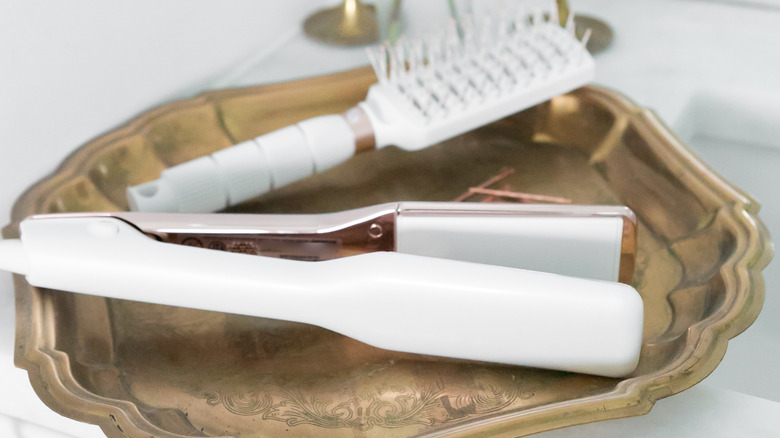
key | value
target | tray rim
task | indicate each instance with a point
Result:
(636, 395)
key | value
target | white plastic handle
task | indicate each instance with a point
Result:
(248, 169)
(394, 301)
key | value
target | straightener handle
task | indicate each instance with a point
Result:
(389, 300)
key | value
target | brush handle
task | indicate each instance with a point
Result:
(394, 301)
(235, 174)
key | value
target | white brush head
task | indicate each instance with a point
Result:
(434, 88)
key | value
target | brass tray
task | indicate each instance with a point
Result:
(141, 370)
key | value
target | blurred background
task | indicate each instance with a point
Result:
(70, 71)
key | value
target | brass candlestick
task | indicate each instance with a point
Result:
(350, 24)
(601, 33)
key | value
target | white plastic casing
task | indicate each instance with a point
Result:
(390, 300)
(418, 107)
(248, 169)
(396, 124)
(586, 247)
(13, 257)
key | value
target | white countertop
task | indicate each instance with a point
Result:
(710, 69)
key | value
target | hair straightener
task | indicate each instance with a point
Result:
(428, 90)
(444, 279)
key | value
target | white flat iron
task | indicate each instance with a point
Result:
(444, 279)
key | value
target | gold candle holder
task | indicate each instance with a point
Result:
(350, 24)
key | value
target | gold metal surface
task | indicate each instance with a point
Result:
(601, 34)
(628, 250)
(141, 370)
(350, 24)
(563, 11)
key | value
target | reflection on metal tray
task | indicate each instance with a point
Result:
(139, 369)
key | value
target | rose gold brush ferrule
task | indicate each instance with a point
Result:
(361, 126)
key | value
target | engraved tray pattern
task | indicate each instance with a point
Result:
(141, 370)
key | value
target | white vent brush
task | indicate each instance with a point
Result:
(429, 90)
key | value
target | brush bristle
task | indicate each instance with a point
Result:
(478, 59)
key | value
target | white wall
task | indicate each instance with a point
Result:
(70, 70)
